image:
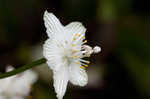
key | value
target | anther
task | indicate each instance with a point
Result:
(74, 38)
(74, 51)
(83, 37)
(82, 67)
(73, 45)
(86, 65)
(75, 57)
(89, 56)
(77, 34)
(78, 62)
(88, 62)
(85, 41)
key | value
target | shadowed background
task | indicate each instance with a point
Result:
(120, 27)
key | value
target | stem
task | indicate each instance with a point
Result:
(23, 68)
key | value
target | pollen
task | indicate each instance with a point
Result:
(89, 56)
(85, 41)
(86, 65)
(77, 35)
(75, 57)
(88, 62)
(78, 62)
(74, 38)
(73, 45)
(82, 67)
(74, 51)
(83, 37)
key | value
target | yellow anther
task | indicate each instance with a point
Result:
(74, 51)
(89, 56)
(74, 38)
(88, 62)
(83, 37)
(75, 57)
(78, 62)
(77, 34)
(86, 65)
(85, 41)
(82, 67)
(73, 45)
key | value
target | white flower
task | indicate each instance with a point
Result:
(17, 86)
(64, 50)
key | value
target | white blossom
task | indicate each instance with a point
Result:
(17, 86)
(64, 50)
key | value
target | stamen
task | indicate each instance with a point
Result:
(83, 37)
(89, 56)
(86, 65)
(96, 49)
(73, 45)
(85, 61)
(74, 38)
(75, 57)
(85, 41)
(78, 62)
(77, 34)
(79, 38)
(82, 67)
(88, 62)
(74, 51)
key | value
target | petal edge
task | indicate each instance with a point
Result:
(52, 24)
(60, 81)
(78, 76)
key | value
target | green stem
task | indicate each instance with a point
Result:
(23, 68)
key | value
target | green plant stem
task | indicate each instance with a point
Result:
(23, 68)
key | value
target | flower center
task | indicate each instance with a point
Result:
(80, 50)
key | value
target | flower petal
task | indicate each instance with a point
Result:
(76, 27)
(18, 84)
(78, 76)
(60, 81)
(52, 24)
(51, 52)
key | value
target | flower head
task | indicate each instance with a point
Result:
(64, 50)
(17, 86)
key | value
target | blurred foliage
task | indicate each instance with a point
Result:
(134, 54)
